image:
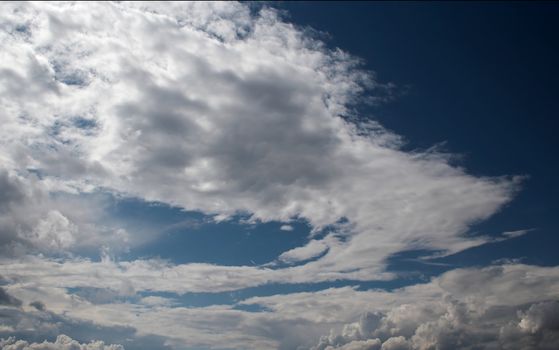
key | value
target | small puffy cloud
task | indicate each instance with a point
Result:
(24, 328)
(286, 227)
(55, 231)
(62, 342)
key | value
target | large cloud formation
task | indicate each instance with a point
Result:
(210, 107)
(226, 109)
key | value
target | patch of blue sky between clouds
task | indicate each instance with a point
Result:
(186, 236)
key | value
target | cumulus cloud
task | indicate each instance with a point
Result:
(211, 107)
(34, 217)
(62, 342)
(286, 228)
(440, 316)
(39, 305)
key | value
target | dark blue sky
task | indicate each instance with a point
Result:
(480, 77)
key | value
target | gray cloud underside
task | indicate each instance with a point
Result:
(34, 327)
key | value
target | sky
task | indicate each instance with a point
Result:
(284, 175)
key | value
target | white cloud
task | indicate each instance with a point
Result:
(161, 276)
(62, 342)
(312, 249)
(209, 107)
(286, 228)
(541, 316)
(33, 218)
(443, 315)
(435, 314)
(7, 299)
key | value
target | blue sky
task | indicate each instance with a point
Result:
(481, 81)
(290, 175)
